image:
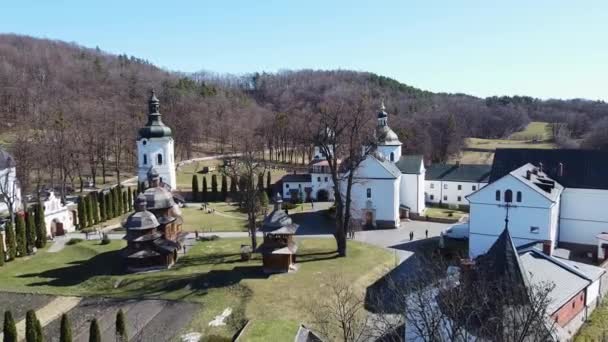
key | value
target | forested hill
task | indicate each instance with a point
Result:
(55, 94)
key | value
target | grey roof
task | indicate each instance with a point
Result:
(501, 261)
(158, 198)
(297, 178)
(306, 335)
(387, 164)
(476, 173)
(270, 247)
(583, 169)
(386, 136)
(410, 164)
(541, 269)
(538, 181)
(154, 128)
(6, 160)
(278, 222)
(141, 220)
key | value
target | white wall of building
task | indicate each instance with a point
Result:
(148, 156)
(412, 192)
(390, 151)
(55, 211)
(301, 186)
(449, 192)
(583, 215)
(8, 183)
(532, 219)
(593, 292)
(322, 181)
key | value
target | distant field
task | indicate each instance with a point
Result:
(481, 151)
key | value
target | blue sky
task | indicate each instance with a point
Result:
(547, 49)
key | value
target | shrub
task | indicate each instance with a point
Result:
(209, 238)
(65, 330)
(10, 329)
(73, 241)
(105, 240)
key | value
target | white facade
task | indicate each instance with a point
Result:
(532, 216)
(157, 153)
(450, 192)
(583, 215)
(412, 191)
(10, 186)
(322, 183)
(57, 216)
(300, 186)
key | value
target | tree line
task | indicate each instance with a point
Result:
(97, 207)
(33, 328)
(27, 234)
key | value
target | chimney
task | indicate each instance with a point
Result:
(560, 169)
(528, 174)
(540, 166)
(548, 247)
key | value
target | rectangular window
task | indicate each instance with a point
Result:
(459, 198)
(474, 188)
(326, 179)
(432, 185)
(445, 198)
(519, 196)
(534, 230)
(459, 187)
(318, 179)
(286, 186)
(369, 193)
(445, 186)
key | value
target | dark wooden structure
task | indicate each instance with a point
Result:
(279, 248)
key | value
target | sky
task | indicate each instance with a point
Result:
(540, 48)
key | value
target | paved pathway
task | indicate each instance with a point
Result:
(51, 312)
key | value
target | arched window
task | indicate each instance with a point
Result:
(519, 196)
(392, 156)
(498, 195)
(159, 159)
(509, 196)
(145, 159)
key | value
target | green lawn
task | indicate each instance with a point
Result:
(596, 328)
(444, 213)
(535, 130)
(196, 219)
(185, 172)
(211, 274)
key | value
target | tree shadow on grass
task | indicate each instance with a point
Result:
(316, 256)
(108, 263)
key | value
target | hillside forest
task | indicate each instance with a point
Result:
(69, 113)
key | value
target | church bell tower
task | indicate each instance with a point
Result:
(155, 147)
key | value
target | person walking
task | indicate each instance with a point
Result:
(426, 233)
(411, 235)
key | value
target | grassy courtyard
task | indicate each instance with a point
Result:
(444, 213)
(226, 218)
(212, 274)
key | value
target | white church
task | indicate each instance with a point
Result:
(386, 186)
(558, 198)
(155, 147)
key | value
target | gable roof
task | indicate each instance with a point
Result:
(388, 165)
(410, 164)
(584, 169)
(538, 181)
(477, 173)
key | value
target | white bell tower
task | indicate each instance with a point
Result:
(155, 147)
(388, 141)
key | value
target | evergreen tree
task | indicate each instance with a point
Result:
(261, 181)
(40, 226)
(205, 195)
(10, 329)
(195, 195)
(139, 188)
(125, 202)
(66, 330)
(121, 327)
(82, 216)
(268, 184)
(130, 198)
(214, 196)
(102, 207)
(94, 208)
(30, 327)
(39, 336)
(21, 236)
(30, 231)
(264, 201)
(94, 334)
(87, 211)
(224, 187)
(108, 201)
(2, 252)
(118, 200)
(11, 244)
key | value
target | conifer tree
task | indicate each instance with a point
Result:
(94, 334)
(118, 200)
(268, 184)
(214, 196)
(94, 208)
(205, 194)
(87, 211)
(261, 181)
(30, 327)
(125, 204)
(121, 327)
(39, 336)
(82, 216)
(2, 252)
(233, 184)
(11, 244)
(40, 226)
(195, 196)
(130, 199)
(264, 201)
(21, 236)
(65, 334)
(10, 328)
(224, 187)
(30, 231)
(102, 207)
(108, 201)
